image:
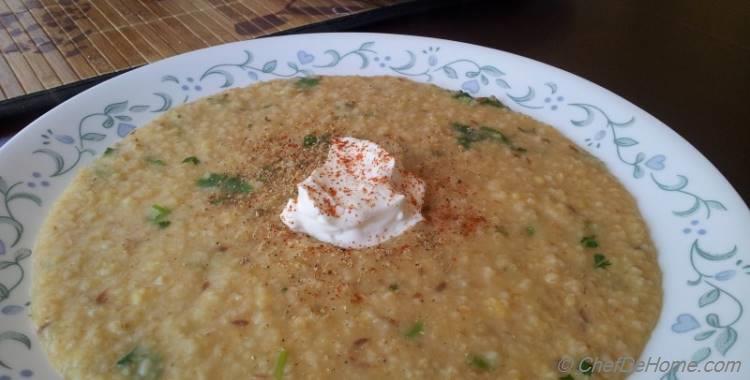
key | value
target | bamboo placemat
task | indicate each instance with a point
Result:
(47, 45)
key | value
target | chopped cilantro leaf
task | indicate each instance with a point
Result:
(159, 212)
(278, 370)
(155, 161)
(491, 101)
(567, 377)
(589, 241)
(530, 230)
(601, 261)
(141, 364)
(309, 141)
(159, 216)
(191, 160)
(393, 286)
(236, 185)
(212, 180)
(479, 362)
(463, 97)
(467, 135)
(225, 183)
(307, 82)
(495, 135)
(109, 151)
(417, 329)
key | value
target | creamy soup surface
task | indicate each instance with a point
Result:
(166, 258)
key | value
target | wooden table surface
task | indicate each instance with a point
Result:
(687, 62)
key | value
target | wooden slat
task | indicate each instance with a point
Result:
(64, 45)
(42, 71)
(9, 83)
(198, 29)
(220, 19)
(292, 11)
(80, 41)
(16, 61)
(144, 44)
(224, 34)
(100, 43)
(43, 43)
(121, 45)
(136, 14)
(185, 18)
(48, 43)
(258, 15)
(179, 42)
(112, 14)
(192, 40)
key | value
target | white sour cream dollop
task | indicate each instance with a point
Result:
(358, 198)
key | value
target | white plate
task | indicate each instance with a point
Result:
(699, 223)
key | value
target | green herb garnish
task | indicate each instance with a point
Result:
(601, 261)
(530, 230)
(211, 180)
(495, 135)
(467, 135)
(479, 362)
(567, 377)
(278, 370)
(159, 212)
(191, 160)
(309, 141)
(393, 286)
(589, 241)
(491, 101)
(109, 151)
(140, 364)
(307, 82)
(226, 183)
(586, 367)
(155, 161)
(417, 329)
(236, 185)
(463, 97)
(159, 216)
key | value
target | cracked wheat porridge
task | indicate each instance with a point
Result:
(166, 258)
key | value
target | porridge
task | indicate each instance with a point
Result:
(167, 259)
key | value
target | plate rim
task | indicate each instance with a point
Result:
(26, 132)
